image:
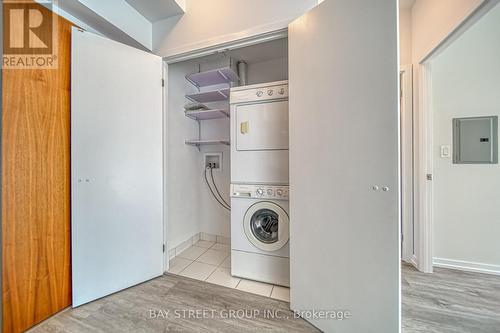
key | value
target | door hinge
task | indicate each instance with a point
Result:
(429, 176)
(163, 82)
(163, 248)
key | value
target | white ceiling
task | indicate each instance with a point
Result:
(406, 3)
(156, 10)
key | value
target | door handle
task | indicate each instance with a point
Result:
(244, 127)
(242, 194)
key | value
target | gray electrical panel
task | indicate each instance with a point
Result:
(475, 140)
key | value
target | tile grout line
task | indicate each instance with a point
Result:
(208, 277)
(193, 260)
(236, 287)
(219, 266)
(185, 268)
(216, 265)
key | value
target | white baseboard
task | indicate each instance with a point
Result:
(414, 261)
(467, 266)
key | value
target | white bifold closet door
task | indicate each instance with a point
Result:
(344, 211)
(117, 163)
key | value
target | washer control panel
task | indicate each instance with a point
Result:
(279, 192)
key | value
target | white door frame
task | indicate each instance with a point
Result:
(241, 41)
(423, 192)
(407, 163)
(166, 182)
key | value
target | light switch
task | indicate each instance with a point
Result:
(445, 151)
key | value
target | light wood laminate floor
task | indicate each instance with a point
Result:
(129, 311)
(450, 301)
(447, 301)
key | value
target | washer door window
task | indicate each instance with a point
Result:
(266, 226)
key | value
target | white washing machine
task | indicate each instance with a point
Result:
(259, 134)
(260, 233)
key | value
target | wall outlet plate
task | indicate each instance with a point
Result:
(213, 159)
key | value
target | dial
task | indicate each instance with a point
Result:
(260, 192)
(270, 92)
(259, 93)
(279, 192)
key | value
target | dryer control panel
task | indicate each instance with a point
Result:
(259, 92)
(271, 192)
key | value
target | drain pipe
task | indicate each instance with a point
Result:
(242, 72)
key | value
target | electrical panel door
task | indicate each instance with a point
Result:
(475, 140)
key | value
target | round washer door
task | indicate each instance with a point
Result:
(267, 226)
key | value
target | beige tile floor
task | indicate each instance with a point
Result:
(211, 262)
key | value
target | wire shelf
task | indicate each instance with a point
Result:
(199, 143)
(207, 114)
(213, 77)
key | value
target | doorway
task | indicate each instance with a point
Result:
(454, 213)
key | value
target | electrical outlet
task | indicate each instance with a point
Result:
(212, 160)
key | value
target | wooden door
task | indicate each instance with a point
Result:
(36, 267)
(344, 230)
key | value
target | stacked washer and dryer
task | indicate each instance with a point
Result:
(259, 183)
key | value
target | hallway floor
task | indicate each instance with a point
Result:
(174, 303)
(450, 301)
(447, 301)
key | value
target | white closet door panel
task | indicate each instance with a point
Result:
(344, 241)
(117, 179)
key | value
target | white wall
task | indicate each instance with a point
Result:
(184, 170)
(212, 22)
(434, 20)
(267, 71)
(466, 83)
(405, 36)
(191, 206)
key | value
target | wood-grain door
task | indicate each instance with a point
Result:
(344, 230)
(36, 268)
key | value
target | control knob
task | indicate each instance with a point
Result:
(260, 192)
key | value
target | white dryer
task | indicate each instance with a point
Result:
(259, 134)
(260, 233)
